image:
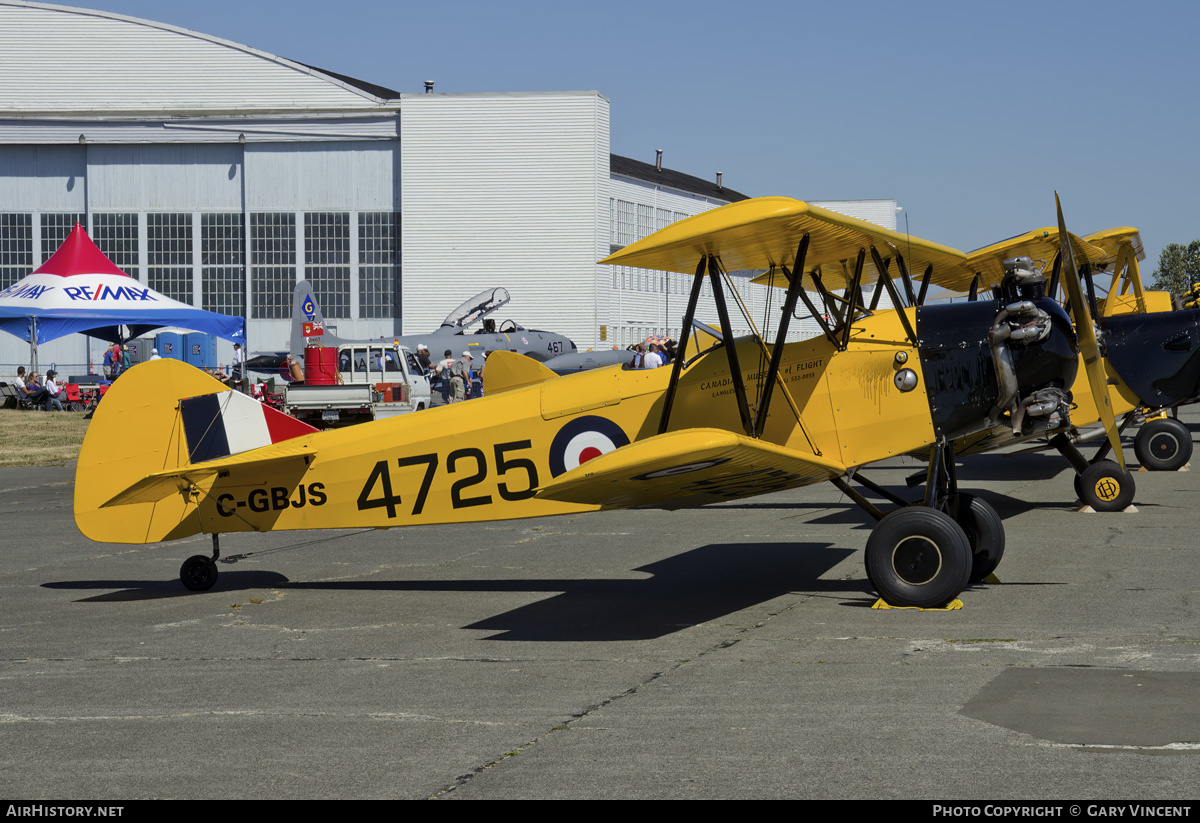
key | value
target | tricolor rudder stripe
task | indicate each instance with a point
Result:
(229, 422)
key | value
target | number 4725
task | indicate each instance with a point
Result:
(470, 462)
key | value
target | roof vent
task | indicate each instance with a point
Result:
(429, 86)
(719, 186)
(658, 159)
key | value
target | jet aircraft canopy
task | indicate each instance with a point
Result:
(482, 304)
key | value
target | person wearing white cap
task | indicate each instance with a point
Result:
(460, 377)
(423, 357)
(154, 355)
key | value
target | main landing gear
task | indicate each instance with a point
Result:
(924, 554)
(1163, 445)
(199, 573)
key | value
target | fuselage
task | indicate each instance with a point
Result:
(485, 459)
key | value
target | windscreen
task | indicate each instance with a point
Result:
(484, 303)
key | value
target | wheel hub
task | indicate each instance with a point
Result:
(1163, 446)
(1108, 488)
(916, 560)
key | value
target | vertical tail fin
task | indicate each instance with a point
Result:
(308, 322)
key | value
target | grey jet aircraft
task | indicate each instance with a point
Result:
(308, 323)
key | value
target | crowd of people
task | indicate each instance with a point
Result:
(39, 391)
(454, 378)
(653, 355)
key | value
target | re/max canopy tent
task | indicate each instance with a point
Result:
(80, 290)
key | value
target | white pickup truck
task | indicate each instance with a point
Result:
(374, 381)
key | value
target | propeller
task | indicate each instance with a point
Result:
(1089, 346)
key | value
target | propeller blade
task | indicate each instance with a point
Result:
(1089, 346)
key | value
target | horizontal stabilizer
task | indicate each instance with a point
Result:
(508, 370)
(688, 468)
(163, 484)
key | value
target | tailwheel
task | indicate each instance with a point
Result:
(918, 556)
(198, 573)
(985, 535)
(1163, 445)
(1105, 487)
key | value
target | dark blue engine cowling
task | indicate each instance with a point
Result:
(1157, 355)
(960, 371)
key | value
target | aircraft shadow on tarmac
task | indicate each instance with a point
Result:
(698, 586)
(695, 587)
(228, 581)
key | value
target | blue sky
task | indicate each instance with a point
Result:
(969, 114)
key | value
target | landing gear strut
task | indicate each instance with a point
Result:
(199, 573)
(924, 554)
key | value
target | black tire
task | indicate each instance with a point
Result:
(985, 535)
(198, 573)
(1163, 445)
(1105, 487)
(918, 556)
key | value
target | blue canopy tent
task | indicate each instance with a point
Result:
(79, 290)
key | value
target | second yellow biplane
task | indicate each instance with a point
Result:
(1151, 353)
(729, 419)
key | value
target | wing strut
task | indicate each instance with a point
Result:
(851, 291)
(1054, 277)
(795, 289)
(925, 278)
(689, 315)
(735, 371)
(891, 287)
(906, 280)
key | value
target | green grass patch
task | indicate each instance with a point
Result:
(35, 438)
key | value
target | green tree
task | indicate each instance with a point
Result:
(1178, 267)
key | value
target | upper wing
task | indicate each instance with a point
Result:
(988, 262)
(688, 468)
(764, 232)
(1111, 240)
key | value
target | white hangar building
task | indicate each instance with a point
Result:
(220, 175)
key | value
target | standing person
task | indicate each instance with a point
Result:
(639, 357)
(126, 362)
(154, 355)
(239, 361)
(653, 359)
(460, 377)
(423, 357)
(112, 362)
(52, 392)
(443, 375)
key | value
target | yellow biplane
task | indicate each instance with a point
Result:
(729, 419)
(1151, 354)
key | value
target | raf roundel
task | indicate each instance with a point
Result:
(584, 439)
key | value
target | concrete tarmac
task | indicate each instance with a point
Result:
(724, 652)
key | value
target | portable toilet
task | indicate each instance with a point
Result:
(200, 350)
(139, 350)
(169, 344)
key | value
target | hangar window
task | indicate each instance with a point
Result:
(327, 260)
(116, 234)
(378, 263)
(626, 224)
(272, 264)
(16, 247)
(222, 255)
(55, 228)
(645, 217)
(169, 255)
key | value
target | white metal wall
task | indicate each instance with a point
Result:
(505, 190)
